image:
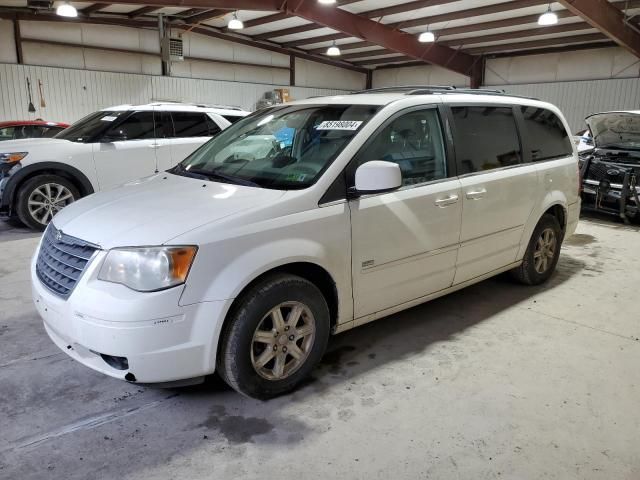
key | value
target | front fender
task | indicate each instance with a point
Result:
(16, 178)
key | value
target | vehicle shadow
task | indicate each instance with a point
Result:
(376, 345)
(598, 218)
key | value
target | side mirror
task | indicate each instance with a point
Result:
(378, 176)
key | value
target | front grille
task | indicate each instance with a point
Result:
(62, 260)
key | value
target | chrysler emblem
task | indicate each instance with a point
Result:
(59, 236)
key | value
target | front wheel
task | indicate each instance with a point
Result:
(542, 254)
(275, 336)
(41, 197)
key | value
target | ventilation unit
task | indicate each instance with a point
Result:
(172, 50)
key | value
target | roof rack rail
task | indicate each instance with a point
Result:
(403, 88)
(440, 90)
(194, 104)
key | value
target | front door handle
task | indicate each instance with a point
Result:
(448, 200)
(476, 194)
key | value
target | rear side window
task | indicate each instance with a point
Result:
(486, 138)
(137, 126)
(190, 124)
(213, 126)
(547, 137)
(49, 132)
(232, 118)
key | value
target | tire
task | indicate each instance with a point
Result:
(534, 270)
(240, 355)
(44, 190)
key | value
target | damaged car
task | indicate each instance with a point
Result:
(609, 171)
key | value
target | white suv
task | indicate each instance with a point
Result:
(38, 177)
(302, 220)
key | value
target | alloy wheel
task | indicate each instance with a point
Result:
(47, 200)
(545, 250)
(283, 340)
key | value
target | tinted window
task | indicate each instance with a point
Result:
(414, 142)
(164, 125)
(92, 126)
(232, 118)
(212, 125)
(486, 138)
(6, 133)
(137, 126)
(190, 124)
(546, 134)
(49, 132)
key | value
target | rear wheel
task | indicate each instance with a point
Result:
(275, 337)
(41, 197)
(542, 254)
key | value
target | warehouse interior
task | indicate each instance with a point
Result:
(495, 380)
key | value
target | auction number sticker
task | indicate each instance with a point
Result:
(339, 125)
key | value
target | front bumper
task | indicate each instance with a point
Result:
(161, 340)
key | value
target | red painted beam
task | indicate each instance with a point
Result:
(608, 19)
(386, 37)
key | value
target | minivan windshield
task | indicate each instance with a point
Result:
(91, 126)
(284, 148)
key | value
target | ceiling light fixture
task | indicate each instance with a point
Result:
(235, 23)
(327, 2)
(548, 18)
(65, 9)
(427, 37)
(333, 50)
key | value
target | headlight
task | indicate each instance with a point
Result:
(149, 268)
(12, 157)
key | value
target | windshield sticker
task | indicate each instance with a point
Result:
(108, 118)
(339, 125)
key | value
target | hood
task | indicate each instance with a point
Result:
(34, 145)
(155, 209)
(615, 129)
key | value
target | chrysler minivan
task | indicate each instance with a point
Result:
(304, 220)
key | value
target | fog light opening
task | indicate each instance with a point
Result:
(130, 377)
(119, 363)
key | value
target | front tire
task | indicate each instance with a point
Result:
(275, 337)
(542, 254)
(41, 197)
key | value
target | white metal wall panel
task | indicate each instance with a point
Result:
(418, 75)
(71, 94)
(581, 98)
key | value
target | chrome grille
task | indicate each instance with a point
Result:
(62, 260)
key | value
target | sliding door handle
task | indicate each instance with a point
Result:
(448, 200)
(476, 194)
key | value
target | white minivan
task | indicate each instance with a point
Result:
(40, 176)
(302, 220)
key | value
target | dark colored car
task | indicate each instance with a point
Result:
(610, 170)
(18, 129)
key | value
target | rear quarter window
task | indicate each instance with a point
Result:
(546, 135)
(486, 138)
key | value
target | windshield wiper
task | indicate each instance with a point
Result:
(214, 175)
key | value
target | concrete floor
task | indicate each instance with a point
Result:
(495, 381)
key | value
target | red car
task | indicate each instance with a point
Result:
(17, 129)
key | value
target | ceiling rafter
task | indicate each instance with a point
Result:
(591, 37)
(378, 12)
(142, 11)
(381, 34)
(94, 8)
(204, 16)
(609, 20)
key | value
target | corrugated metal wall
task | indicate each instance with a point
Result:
(70, 94)
(580, 98)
